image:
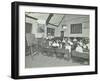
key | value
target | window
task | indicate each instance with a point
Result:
(76, 28)
(50, 31)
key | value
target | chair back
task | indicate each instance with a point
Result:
(31, 40)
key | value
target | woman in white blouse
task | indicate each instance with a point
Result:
(79, 48)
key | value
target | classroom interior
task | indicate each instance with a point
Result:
(55, 39)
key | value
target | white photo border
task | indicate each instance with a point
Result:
(54, 70)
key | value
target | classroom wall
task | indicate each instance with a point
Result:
(34, 24)
(35, 27)
(85, 27)
(65, 21)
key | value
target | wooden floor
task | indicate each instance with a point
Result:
(40, 60)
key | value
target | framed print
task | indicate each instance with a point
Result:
(50, 40)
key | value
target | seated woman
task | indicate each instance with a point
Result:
(84, 46)
(50, 43)
(80, 43)
(69, 41)
(54, 44)
(88, 46)
(79, 48)
(60, 44)
(57, 44)
(74, 40)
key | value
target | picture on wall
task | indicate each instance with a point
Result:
(41, 28)
(53, 40)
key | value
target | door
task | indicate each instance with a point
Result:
(62, 34)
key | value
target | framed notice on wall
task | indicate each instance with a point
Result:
(34, 57)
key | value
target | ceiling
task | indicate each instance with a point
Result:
(54, 19)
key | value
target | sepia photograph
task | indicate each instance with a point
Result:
(54, 39)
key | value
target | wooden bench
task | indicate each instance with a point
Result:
(84, 55)
(80, 57)
(55, 52)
